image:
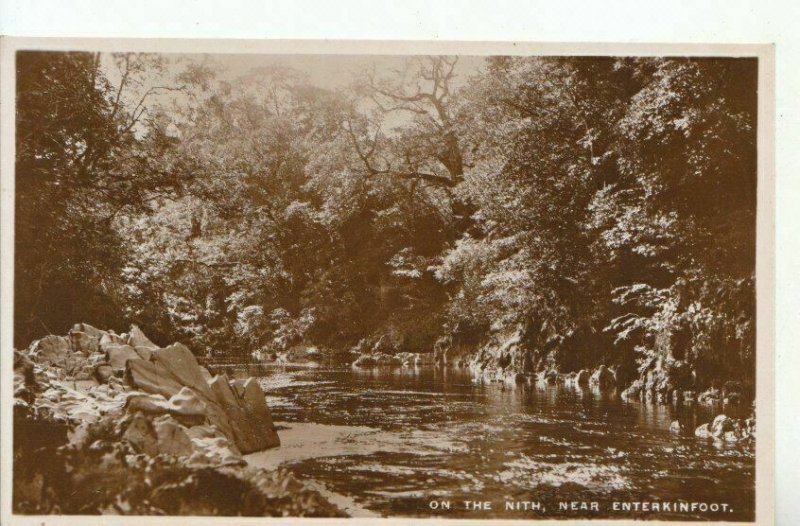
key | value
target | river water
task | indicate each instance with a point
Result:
(410, 442)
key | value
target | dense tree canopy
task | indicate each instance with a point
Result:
(591, 210)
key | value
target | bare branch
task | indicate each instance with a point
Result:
(121, 87)
(140, 109)
(363, 155)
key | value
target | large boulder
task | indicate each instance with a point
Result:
(253, 401)
(239, 412)
(242, 433)
(149, 404)
(248, 433)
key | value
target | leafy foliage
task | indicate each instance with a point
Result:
(591, 210)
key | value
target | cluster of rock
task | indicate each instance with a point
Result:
(402, 359)
(665, 380)
(603, 377)
(107, 423)
(728, 429)
(167, 402)
(723, 428)
(98, 471)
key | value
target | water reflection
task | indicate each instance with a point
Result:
(425, 433)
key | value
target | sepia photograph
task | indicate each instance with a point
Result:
(385, 284)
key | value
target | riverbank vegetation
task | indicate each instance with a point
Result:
(529, 214)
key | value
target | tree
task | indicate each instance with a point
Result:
(80, 164)
(683, 212)
(559, 212)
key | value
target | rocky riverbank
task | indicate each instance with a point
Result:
(667, 382)
(721, 429)
(107, 423)
(660, 381)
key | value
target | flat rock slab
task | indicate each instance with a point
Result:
(151, 378)
(179, 361)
